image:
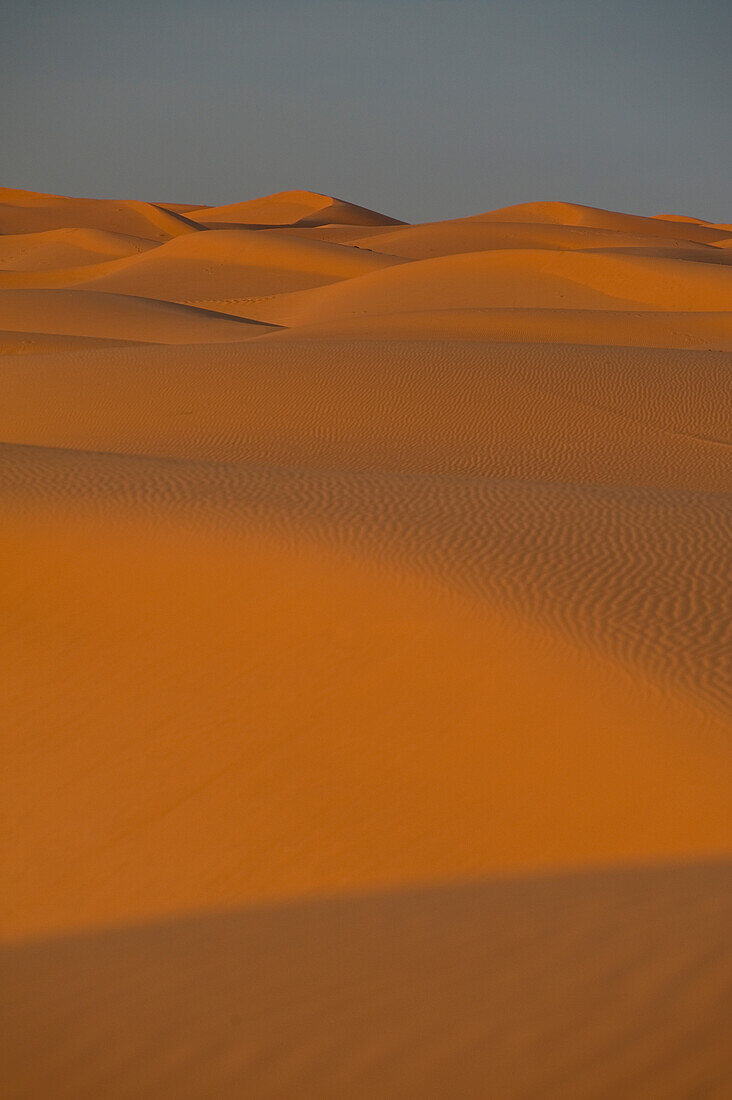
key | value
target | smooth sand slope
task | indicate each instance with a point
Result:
(235, 264)
(511, 278)
(26, 212)
(367, 678)
(420, 242)
(88, 313)
(220, 263)
(64, 248)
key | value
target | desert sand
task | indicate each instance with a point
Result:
(365, 651)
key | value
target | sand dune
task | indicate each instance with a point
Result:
(62, 248)
(26, 212)
(89, 313)
(364, 650)
(237, 263)
(567, 213)
(57, 277)
(420, 242)
(218, 264)
(511, 278)
(303, 208)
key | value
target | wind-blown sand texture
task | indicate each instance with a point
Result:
(365, 651)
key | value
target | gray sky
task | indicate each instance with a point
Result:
(423, 109)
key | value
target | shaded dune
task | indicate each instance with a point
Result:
(483, 989)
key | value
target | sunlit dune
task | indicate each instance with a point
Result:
(511, 278)
(567, 213)
(216, 264)
(62, 248)
(236, 263)
(197, 751)
(365, 650)
(301, 208)
(419, 242)
(26, 212)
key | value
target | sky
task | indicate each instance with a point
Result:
(423, 109)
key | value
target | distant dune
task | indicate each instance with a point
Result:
(365, 651)
(291, 208)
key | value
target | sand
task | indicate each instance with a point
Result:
(365, 651)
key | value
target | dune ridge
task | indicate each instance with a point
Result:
(365, 650)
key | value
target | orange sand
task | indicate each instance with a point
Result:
(364, 650)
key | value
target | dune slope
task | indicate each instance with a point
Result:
(428, 626)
